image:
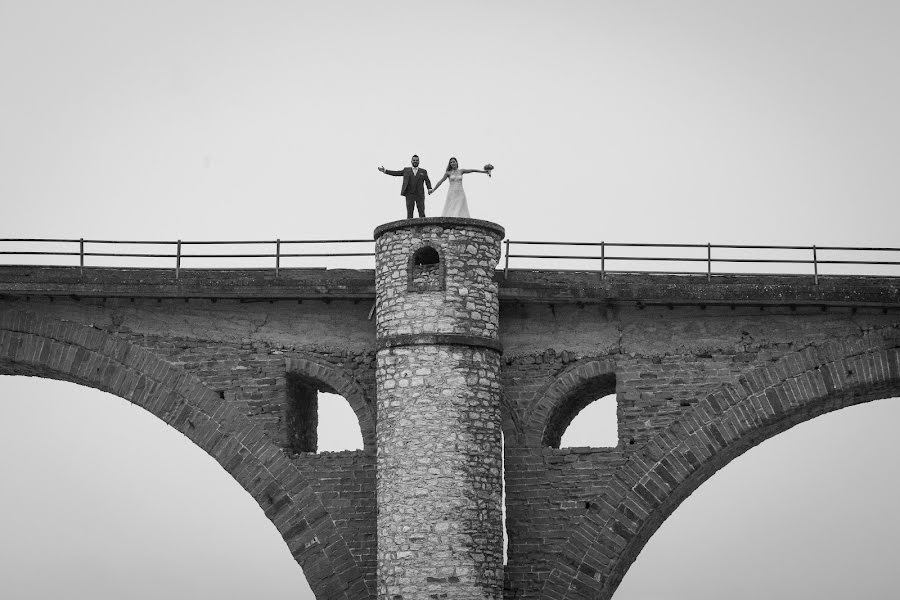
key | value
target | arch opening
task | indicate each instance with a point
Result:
(595, 426)
(318, 418)
(338, 427)
(221, 427)
(425, 256)
(318, 396)
(109, 499)
(426, 270)
(599, 388)
(793, 501)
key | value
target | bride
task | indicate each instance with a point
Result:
(456, 206)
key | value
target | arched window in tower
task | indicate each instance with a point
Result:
(426, 270)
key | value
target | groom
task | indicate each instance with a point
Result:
(413, 188)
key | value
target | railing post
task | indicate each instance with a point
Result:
(81, 254)
(602, 260)
(506, 266)
(815, 265)
(277, 257)
(708, 262)
(178, 260)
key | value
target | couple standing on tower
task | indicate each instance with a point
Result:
(415, 180)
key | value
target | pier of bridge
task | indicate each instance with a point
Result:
(703, 369)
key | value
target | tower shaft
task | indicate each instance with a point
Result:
(439, 480)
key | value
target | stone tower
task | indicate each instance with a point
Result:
(439, 475)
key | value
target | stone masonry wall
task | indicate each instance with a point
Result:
(468, 305)
(345, 483)
(666, 362)
(439, 483)
(439, 473)
(695, 384)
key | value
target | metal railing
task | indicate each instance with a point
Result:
(695, 259)
(178, 252)
(705, 260)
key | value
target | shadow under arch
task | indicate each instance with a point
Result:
(656, 479)
(68, 351)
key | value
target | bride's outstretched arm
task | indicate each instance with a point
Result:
(464, 171)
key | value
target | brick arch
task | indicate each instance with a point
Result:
(656, 479)
(331, 379)
(557, 403)
(69, 351)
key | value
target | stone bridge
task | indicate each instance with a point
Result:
(702, 372)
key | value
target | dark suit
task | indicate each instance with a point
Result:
(413, 189)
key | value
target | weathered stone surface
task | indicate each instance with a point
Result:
(467, 302)
(439, 473)
(438, 392)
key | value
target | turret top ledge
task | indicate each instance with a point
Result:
(439, 221)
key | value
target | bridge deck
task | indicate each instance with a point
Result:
(523, 286)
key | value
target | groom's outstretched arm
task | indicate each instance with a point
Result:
(389, 172)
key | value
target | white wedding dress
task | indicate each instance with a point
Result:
(455, 206)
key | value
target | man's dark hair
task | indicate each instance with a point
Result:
(414, 156)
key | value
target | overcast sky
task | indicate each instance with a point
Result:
(764, 122)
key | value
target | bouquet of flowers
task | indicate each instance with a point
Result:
(489, 167)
